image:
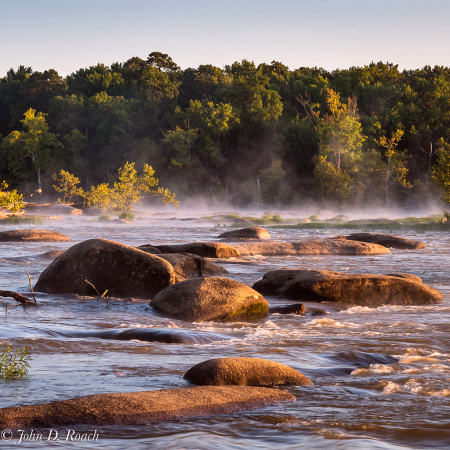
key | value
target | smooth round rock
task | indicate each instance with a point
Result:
(122, 270)
(244, 372)
(212, 298)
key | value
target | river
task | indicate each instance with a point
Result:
(359, 400)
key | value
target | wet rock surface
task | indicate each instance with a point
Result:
(52, 254)
(32, 235)
(212, 298)
(204, 249)
(311, 247)
(358, 289)
(297, 308)
(122, 270)
(149, 249)
(187, 265)
(246, 233)
(244, 372)
(134, 408)
(386, 240)
(165, 335)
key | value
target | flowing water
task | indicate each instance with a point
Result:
(381, 375)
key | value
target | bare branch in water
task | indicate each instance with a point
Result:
(18, 298)
(31, 287)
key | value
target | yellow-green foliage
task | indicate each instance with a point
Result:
(14, 364)
(11, 200)
(67, 184)
(128, 191)
(101, 196)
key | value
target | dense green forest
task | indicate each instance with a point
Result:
(244, 134)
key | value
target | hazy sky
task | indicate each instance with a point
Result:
(68, 35)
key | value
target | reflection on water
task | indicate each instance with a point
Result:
(381, 375)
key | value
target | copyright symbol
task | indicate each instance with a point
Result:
(6, 435)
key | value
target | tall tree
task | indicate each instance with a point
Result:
(34, 142)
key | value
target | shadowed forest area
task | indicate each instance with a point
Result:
(244, 134)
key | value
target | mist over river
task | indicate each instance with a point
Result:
(358, 401)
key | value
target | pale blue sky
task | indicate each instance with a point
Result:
(68, 35)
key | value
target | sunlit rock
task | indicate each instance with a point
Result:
(312, 247)
(132, 408)
(246, 233)
(359, 289)
(32, 235)
(244, 372)
(212, 298)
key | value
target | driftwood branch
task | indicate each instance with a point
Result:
(18, 298)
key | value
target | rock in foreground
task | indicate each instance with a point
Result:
(204, 249)
(358, 289)
(212, 298)
(313, 247)
(134, 408)
(32, 235)
(246, 233)
(244, 372)
(386, 240)
(187, 265)
(122, 270)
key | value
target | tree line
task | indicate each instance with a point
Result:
(243, 133)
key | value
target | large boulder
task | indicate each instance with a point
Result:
(164, 335)
(32, 235)
(386, 240)
(212, 298)
(244, 372)
(359, 289)
(187, 265)
(312, 247)
(133, 408)
(122, 270)
(204, 249)
(245, 234)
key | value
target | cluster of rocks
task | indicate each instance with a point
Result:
(225, 385)
(183, 282)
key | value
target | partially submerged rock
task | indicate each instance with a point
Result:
(204, 249)
(187, 265)
(244, 372)
(164, 335)
(296, 308)
(122, 270)
(149, 249)
(212, 298)
(52, 254)
(32, 235)
(246, 233)
(312, 247)
(386, 240)
(133, 408)
(359, 289)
